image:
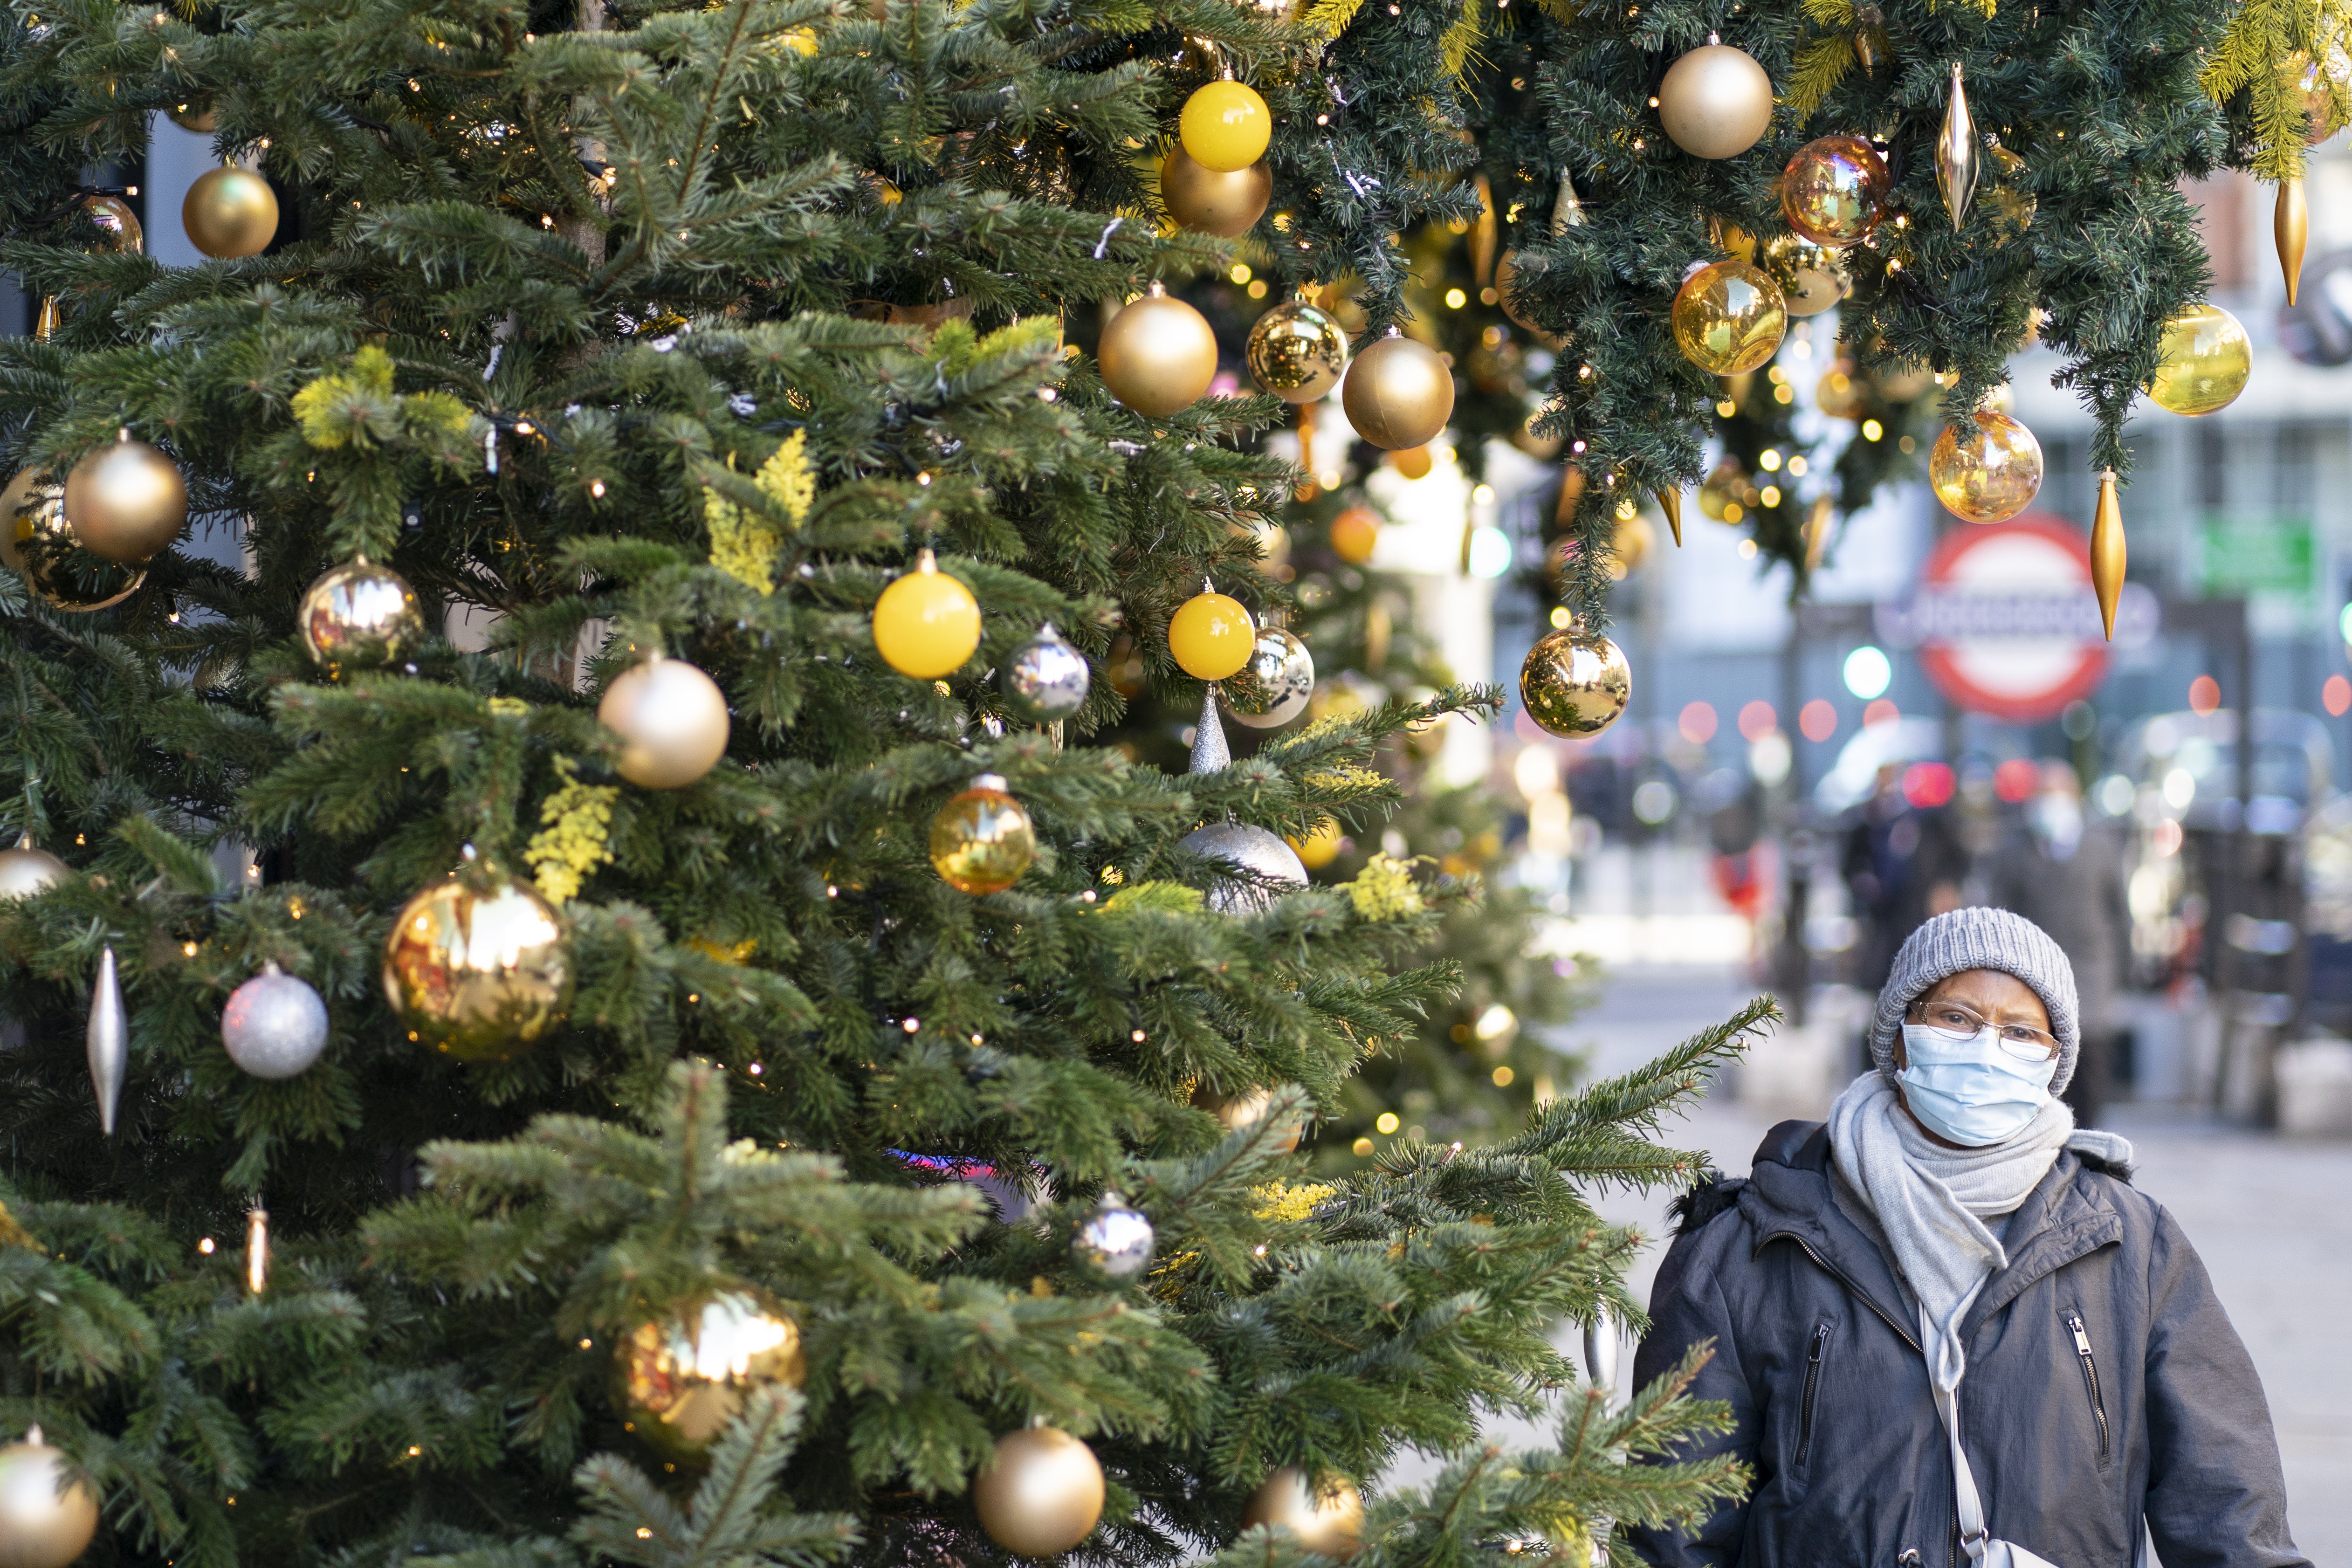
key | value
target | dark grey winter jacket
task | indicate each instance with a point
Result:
(2105, 1384)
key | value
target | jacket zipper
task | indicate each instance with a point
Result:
(1839, 1275)
(2090, 1379)
(1812, 1379)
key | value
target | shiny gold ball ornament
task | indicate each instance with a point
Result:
(1729, 317)
(1329, 1523)
(230, 212)
(672, 718)
(46, 1520)
(117, 222)
(1811, 278)
(197, 115)
(1575, 684)
(926, 624)
(126, 502)
(1040, 1494)
(26, 870)
(681, 1377)
(1833, 190)
(1354, 533)
(983, 839)
(2206, 362)
(1226, 204)
(1157, 355)
(359, 614)
(1225, 127)
(1297, 351)
(1210, 636)
(1398, 393)
(37, 542)
(1272, 687)
(1987, 472)
(476, 968)
(1716, 102)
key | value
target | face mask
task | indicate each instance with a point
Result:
(1969, 1088)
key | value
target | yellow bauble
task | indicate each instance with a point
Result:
(1210, 636)
(2206, 362)
(1328, 1523)
(1989, 476)
(46, 1521)
(1040, 1494)
(1320, 847)
(36, 541)
(1298, 352)
(126, 502)
(680, 1378)
(1729, 317)
(1226, 126)
(359, 614)
(1227, 205)
(983, 839)
(115, 219)
(1833, 190)
(1354, 534)
(230, 212)
(926, 624)
(1412, 462)
(1398, 393)
(1716, 102)
(674, 718)
(1575, 685)
(1157, 355)
(477, 970)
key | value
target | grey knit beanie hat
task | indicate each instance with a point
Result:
(1979, 938)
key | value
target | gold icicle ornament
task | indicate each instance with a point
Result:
(256, 1249)
(2291, 227)
(1568, 207)
(1959, 159)
(1484, 234)
(1670, 501)
(2108, 550)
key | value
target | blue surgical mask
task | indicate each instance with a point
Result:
(1968, 1089)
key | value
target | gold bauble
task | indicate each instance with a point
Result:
(1811, 278)
(1991, 476)
(197, 115)
(1355, 533)
(673, 718)
(1506, 290)
(126, 502)
(115, 219)
(1715, 101)
(359, 614)
(230, 212)
(1226, 126)
(2206, 362)
(45, 1521)
(1833, 190)
(1226, 205)
(1157, 355)
(926, 623)
(1041, 1494)
(476, 969)
(1722, 488)
(1329, 1525)
(37, 542)
(983, 839)
(1575, 685)
(1412, 462)
(1838, 393)
(1297, 351)
(27, 870)
(1398, 393)
(1729, 317)
(680, 1378)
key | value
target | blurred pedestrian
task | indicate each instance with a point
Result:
(2065, 872)
(1947, 1331)
(1902, 864)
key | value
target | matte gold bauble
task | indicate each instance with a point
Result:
(1989, 474)
(926, 624)
(26, 870)
(230, 212)
(477, 969)
(1575, 685)
(673, 718)
(1354, 532)
(1729, 317)
(983, 839)
(1715, 101)
(680, 1378)
(1398, 393)
(39, 543)
(2206, 361)
(1040, 1494)
(115, 219)
(1329, 1523)
(1157, 355)
(126, 502)
(1226, 126)
(359, 614)
(46, 1520)
(1298, 352)
(1833, 190)
(1226, 205)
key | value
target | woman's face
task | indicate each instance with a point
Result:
(1997, 997)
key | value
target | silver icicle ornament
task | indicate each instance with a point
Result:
(1045, 679)
(1211, 752)
(1959, 159)
(1116, 1240)
(109, 1041)
(274, 1025)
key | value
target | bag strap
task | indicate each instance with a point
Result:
(1975, 1538)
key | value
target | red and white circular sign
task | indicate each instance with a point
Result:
(2005, 618)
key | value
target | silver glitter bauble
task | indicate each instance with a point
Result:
(1273, 688)
(274, 1025)
(1045, 679)
(26, 870)
(1253, 850)
(1116, 1240)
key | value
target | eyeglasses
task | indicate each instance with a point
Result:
(1962, 1022)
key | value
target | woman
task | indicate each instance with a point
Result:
(1950, 1333)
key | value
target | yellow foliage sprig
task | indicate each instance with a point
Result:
(1384, 890)
(357, 408)
(2268, 53)
(744, 546)
(578, 837)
